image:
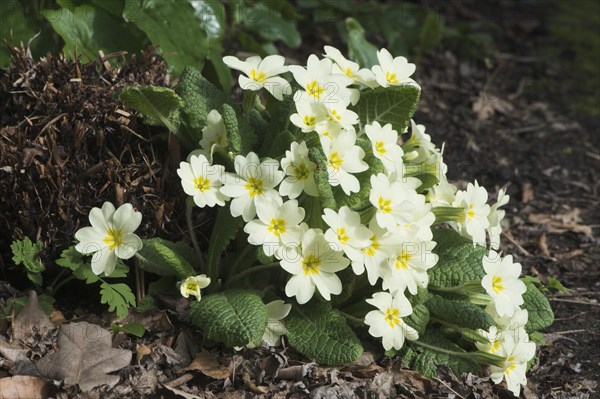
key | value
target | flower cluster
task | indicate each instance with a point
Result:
(390, 240)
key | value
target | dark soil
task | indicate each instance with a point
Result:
(506, 123)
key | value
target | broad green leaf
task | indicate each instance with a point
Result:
(432, 32)
(360, 49)
(360, 201)
(199, 98)
(459, 260)
(15, 23)
(419, 318)
(175, 27)
(136, 329)
(426, 361)
(118, 297)
(465, 313)
(269, 24)
(86, 30)
(240, 135)
(159, 104)
(166, 258)
(393, 105)
(321, 333)
(281, 144)
(316, 155)
(235, 317)
(539, 309)
(225, 229)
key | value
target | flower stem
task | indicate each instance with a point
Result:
(251, 270)
(448, 214)
(248, 102)
(239, 259)
(56, 286)
(189, 207)
(479, 357)
(352, 319)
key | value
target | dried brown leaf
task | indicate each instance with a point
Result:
(154, 320)
(31, 319)
(208, 364)
(562, 222)
(24, 387)
(84, 357)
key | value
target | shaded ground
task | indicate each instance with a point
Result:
(507, 125)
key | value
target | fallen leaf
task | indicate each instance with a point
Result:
(84, 357)
(24, 387)
(571, 254)
(16, 360)
(154, 320)
(562, 222)
(485, 106)
(31, 320)
(207, 363)
(544, 246)
(527, 195)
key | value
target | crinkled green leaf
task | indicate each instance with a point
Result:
(84, 31)
(175, 26)
(240, 135)
(426, 361)
(321, 333)
(166, 258)
(539, 309)
(268, 23)
(360, 49)
(71, 259)
(281, 144)
(234, 317)
(464, 313)
(459, 260)
(360, 200)
(199, 98)
(394, 105)
(419, 318)
(225, 229)
(118, 297)
(157, 104)
(316, 155)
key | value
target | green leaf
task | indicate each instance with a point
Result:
(394, 105)
(459, 261)
(426, 361)
(176, 26)
(86, 30)
(432, 32)
(166, 258)
(234, 317)
(71, 259)
(240, 135)
(539, 309)
(316, 155)
(27, 253)
(118, 297)
(360, 201)
(360, 50)
(269, 24)
(156, 103)
(321, 333)
(465, 313)
(15, 23)
(282, 143)
(199, 98)
(225, 229)
(136, 329)
(419, 318)
(15, 305)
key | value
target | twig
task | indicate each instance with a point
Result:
(574, 301)
(516, 244)
(450, 388)
(179, 381)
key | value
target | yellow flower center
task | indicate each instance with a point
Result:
(256, 76)
(335, 115)
(341, 235)
(471, 212)
(202, 184)
(391, 78)
(254, 187)
(402, 260)
(301, 172)
(512, 365)
(310, 120)
(335, 161)
(497, 284)
(113, 239)
(310, 265)
(277, 227)
(314, 90)
(392, 316)
(380, 147)
(384, 205)
(372, 249)
(495, 346)
(348, 72)
(191, 287)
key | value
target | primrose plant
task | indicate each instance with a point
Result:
(333, 218)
